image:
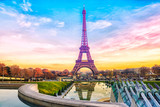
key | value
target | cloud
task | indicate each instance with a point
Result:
(147, 10)
(17, 36)
(7, 12)
(24, 20)
(138, 42)
(14, 2)
(26, 6)
(100, 24)
(36, 24)
(60, 24)
(138, 24)
(41, 50)
(21, 20)
(135, 37)
(45, 20)
(52, 32)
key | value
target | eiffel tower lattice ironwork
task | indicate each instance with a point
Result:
(84, 49)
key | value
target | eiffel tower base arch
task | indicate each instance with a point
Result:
(82, 64)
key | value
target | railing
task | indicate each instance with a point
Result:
(133, 94)
(157, 86)
(115, 91)
(127, 98)
(140, 100)
(136, 94)
(155, 93)
(149, 94)
(141, 93)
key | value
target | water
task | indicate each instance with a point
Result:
(9, 98)
(91, 91)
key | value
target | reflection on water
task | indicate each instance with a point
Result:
(91, 91)
(9, 98)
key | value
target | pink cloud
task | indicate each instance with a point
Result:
(140, 41)
(143, 34)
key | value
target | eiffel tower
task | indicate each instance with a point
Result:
(84, 49)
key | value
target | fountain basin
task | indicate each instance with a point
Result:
(29, 93)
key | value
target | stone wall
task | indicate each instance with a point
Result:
(29, 93)
(10, 85)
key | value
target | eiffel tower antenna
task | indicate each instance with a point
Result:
(84, 41)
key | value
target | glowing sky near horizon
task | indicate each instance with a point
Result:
(47, 34)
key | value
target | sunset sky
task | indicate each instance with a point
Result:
(47, 33)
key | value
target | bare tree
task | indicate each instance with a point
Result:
(143, 71)
(110, 74)
(156, 69)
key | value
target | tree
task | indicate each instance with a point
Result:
(8, 70)
(15, 71)
(143, 71)
(31, 72)
(156, 69)
(59, 92)
(26, 73)
(66, 72)
(110, 74)
(21, 73)
(3, 70)
(116, 72)
(47, 74)
(38, 73)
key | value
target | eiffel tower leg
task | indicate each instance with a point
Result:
(80, 95)
(89, 95)
(80, 56)
(89, 56)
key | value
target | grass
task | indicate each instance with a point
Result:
(152, 83)
(146, 82)
(50, 88)
(88, 81)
